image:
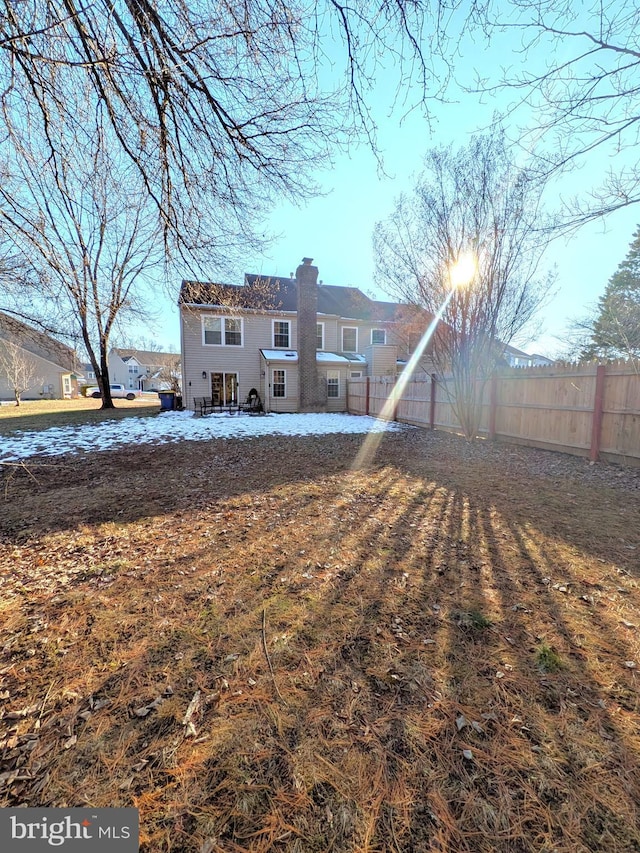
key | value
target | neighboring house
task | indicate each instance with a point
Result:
(89, 373)
(517, 358)
(51, 368)
(140, 370)
(294, 340)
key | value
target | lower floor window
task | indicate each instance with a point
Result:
(333, 383)
(279, 383)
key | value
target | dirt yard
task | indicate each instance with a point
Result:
(265, 649)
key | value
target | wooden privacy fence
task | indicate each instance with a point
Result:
(589, 410)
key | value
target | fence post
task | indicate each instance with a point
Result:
(596, 424)
(432, 402)
(396, 403)
(493, 405)
(366, 395)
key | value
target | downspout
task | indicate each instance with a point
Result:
(187, 399)
(267, 385)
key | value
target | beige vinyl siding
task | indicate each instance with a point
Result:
(330, 332)
(333, 332)
(381, 360)
(48, 375)
(279, 404)
(257, 332)
(339, 403)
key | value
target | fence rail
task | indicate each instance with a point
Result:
(589, 410)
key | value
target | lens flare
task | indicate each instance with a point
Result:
(373, 439)
(462, 272)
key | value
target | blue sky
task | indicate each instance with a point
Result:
(336, 229)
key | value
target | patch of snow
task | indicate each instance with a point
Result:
(169, 427)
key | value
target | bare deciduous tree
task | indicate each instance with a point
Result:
(216, 105)
(580, 83)
(474, 199)
(171, 372)
(78, 218)
(18, 368)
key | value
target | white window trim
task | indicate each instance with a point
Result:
(355, 328)
(273, 382)
(355, 374)
(333, 374)
(222, 318)
(321, 324)
(384, 332)
(273, 334)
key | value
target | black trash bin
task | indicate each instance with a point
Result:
(179, 404)
(167, 401)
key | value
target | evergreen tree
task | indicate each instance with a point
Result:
(615, 331)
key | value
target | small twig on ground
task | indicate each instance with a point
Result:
(13, 466)
(266, 654)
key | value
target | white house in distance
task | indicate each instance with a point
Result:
(294, 340)
(51, 369)
(517, 358)
(140, 370)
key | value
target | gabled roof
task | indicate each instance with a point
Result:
(154, 359)
(38, 343)
(509, 349)
(276, 293)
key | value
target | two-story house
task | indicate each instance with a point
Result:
(518, 358)
(295, 341)
(140, 370)
(41, 366)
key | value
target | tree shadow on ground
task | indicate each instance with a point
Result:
(410, 658)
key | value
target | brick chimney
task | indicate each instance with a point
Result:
(310, 396)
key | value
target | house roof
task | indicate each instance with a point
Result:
(38, 343)
(276, 293)
(511, 350)
(292, 356)
(518, 353)
(155, 359)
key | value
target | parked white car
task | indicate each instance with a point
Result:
(116, 391)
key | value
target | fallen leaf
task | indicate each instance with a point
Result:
(461, 722)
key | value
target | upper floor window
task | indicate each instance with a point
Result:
(320, 336)
(349, 339)
(222, 331)
(281, 333)
(378, 336)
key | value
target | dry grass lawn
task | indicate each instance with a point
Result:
(265, 650)
(42, 414)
